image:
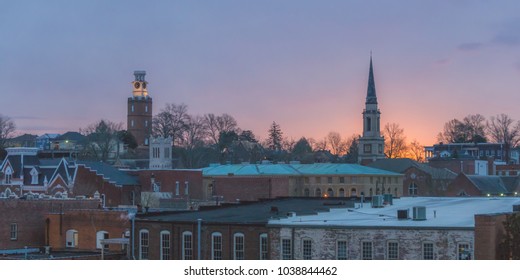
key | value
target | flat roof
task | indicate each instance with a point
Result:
(441, 212)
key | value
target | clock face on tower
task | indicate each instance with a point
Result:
(136, 85)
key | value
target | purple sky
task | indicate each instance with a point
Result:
(304, 64)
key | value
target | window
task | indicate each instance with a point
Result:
(186, 188)
(143, 244)
(187, 245)
(133, 108)
(318, 180)
(370, 192)
(329, 180)
(306, 180)
(330, 193)
(8, 175)
(145, 123)
(146, 108)
(166, 152)
(263, 247)
(318, 192)
(132, 123)
(307, 249)
(306, 192)
(342, 180)
(392, 250)
(353, 192)
(238, 246)
(369, 124)
(14, 231)
(286, 249)
(34, 177)
(146, 141)
(380, 148)
(100, 235)
(366, 248)
(71, 238)
(341, 192)
(177, 186)
(216, 246)
(463, 251)
(428, 251)
(367, 148)
(412, 189)
(165, 245)
(341, 250)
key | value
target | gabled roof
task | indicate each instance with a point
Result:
(71, 136)
(492, 185)
(400, 165)
(110, 173)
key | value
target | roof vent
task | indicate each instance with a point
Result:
(377, 201)
(419, 213)
(402, 214)
(291, 214)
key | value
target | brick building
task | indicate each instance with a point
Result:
(489, 233)
(256, 181)
(413, 228)
(475, 185)
(139, 116)
(419, 178)
(230, 231)
(23, 222)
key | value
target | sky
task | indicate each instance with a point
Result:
(303, 64)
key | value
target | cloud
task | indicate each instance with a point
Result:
(470, 46)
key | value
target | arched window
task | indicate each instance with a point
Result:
(144, 243)
(412, 189)
(216, 246)
(238, 246)
(306, 192)
(100, 235)
(342, 192)
(353, 192)
(165, 245)
(318, 192)
(330, 192)
(187, 245)
(71, 238)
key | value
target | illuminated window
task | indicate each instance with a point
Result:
(463, 251)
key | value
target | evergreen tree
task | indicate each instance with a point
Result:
(274, 140)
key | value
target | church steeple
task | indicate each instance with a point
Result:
(371, 143)
(371, 91)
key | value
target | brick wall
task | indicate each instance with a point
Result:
(489, 232)
(87, 223)
(251, 238)
(462, 184)
(30, 215)
(168, 178)
(248, 188)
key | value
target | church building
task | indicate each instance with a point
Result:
(139, 121)
(372, 143)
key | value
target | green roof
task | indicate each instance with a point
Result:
(293, 170)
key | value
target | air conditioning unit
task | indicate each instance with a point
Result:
(419, 213)
(402, 214)
(377, 201)
(388, 198)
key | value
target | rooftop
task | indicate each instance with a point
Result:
(440, 213)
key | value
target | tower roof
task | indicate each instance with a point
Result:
(371, 91)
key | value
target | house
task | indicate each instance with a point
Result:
(475, 185)
(409, 228)
(419, 179)
(227, 232)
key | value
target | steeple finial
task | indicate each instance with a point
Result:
(371, 91)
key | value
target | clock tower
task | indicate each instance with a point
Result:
(371, 144)
(139, 120)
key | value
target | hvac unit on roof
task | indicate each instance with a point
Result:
(388, 199)
(377, 201)
(402, 214)
(419, 213)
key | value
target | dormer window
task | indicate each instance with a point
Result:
(8, 175)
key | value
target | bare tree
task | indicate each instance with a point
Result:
(352, 144)
(337, 145)
(7, 128)
(171, 122)
(395, 141)
(503, 129)
(471, 129)
(102, 139)
(218, 124)
(416, 151)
